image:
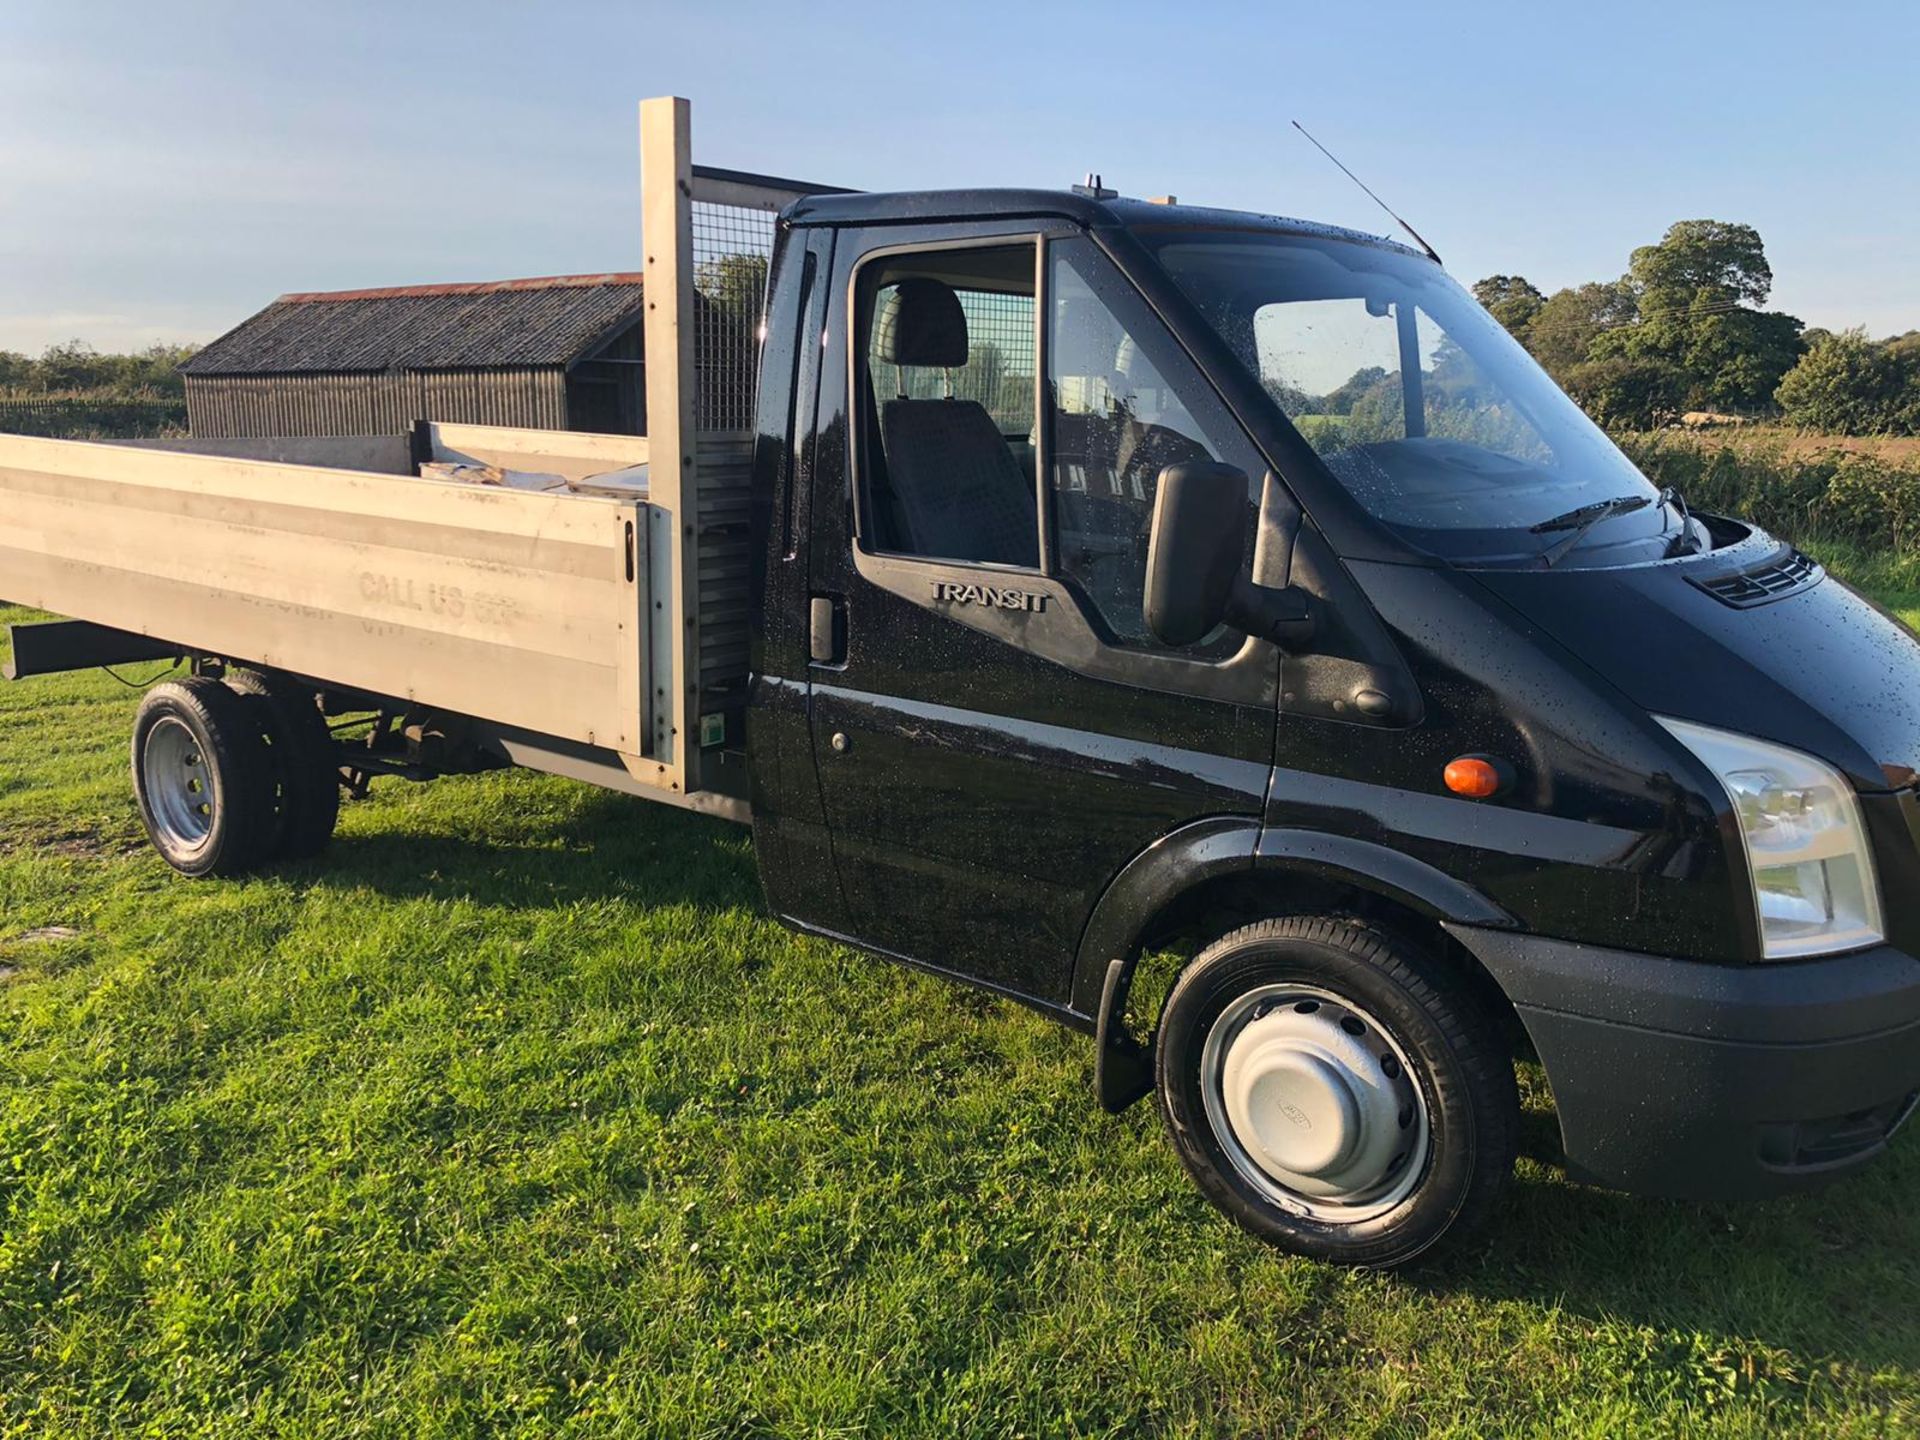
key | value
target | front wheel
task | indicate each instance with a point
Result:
(1336, 1091)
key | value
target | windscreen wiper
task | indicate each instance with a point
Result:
(1683, 542)
(1582, 518)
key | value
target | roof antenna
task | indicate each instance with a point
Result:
(1431, 253)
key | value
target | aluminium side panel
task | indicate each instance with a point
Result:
(570, 454)
(519, 607)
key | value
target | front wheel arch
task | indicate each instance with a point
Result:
(1211, 876)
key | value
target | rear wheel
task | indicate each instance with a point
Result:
(306, 781)
(1336, 1091)
(203, 778)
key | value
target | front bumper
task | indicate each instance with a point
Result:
(1674, 1077)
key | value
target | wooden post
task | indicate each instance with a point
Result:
(666, 212)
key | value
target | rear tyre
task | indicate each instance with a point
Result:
(1336, 1091)
(203, 778)
(306, 781)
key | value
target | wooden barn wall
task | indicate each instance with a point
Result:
(607, 396)
(223, 406)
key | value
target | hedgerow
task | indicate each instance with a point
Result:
(1860, 499)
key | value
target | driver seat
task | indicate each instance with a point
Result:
(959, 492)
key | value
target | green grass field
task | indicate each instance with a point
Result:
(516, 1115)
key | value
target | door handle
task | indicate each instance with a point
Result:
(827, 630)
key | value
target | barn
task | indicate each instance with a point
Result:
(564, 352)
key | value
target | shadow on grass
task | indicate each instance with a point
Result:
(1830, 1275)
(603, 847)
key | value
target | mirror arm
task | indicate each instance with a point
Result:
(1287, 616)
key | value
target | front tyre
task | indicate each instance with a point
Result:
(1336, 1091)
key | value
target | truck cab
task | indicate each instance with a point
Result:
(1138, 576)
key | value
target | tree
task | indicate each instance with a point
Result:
(1290, 398)
(1563, 330)
(1735, 361)
(984, 375)
(1377, 412)
(735, 282)
(75, 365)
(1695, 294)
(157, 368)
(1512, 300)
(1626, 394)
(1904, 351)
(1698, 260)
(1848, 385)
(1342, 399)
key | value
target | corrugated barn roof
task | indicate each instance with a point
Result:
(552, 321)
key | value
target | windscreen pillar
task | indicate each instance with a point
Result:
(666, 188)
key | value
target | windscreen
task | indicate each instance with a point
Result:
(1433, 417)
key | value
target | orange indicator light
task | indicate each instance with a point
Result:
(1473, 777)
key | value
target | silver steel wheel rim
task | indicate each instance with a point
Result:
(1315, 1103)
(178, 785)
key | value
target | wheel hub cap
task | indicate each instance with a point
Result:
(1314, 1101)
(178, 784)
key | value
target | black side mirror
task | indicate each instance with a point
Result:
(1194, 548)
(1194, 551)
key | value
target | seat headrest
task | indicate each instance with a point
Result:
(921, 323)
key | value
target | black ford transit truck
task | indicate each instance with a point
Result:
(1125, 580)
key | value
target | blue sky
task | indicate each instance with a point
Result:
(167, 169)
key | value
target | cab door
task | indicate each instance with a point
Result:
(996, 732)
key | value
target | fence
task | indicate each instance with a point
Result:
(92, 417)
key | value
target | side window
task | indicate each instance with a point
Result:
(947, 383)
(1116, 423)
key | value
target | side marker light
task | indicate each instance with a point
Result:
(1475, 777)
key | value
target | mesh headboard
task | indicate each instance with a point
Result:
(732, 221)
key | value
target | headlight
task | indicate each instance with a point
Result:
(1813, 880)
